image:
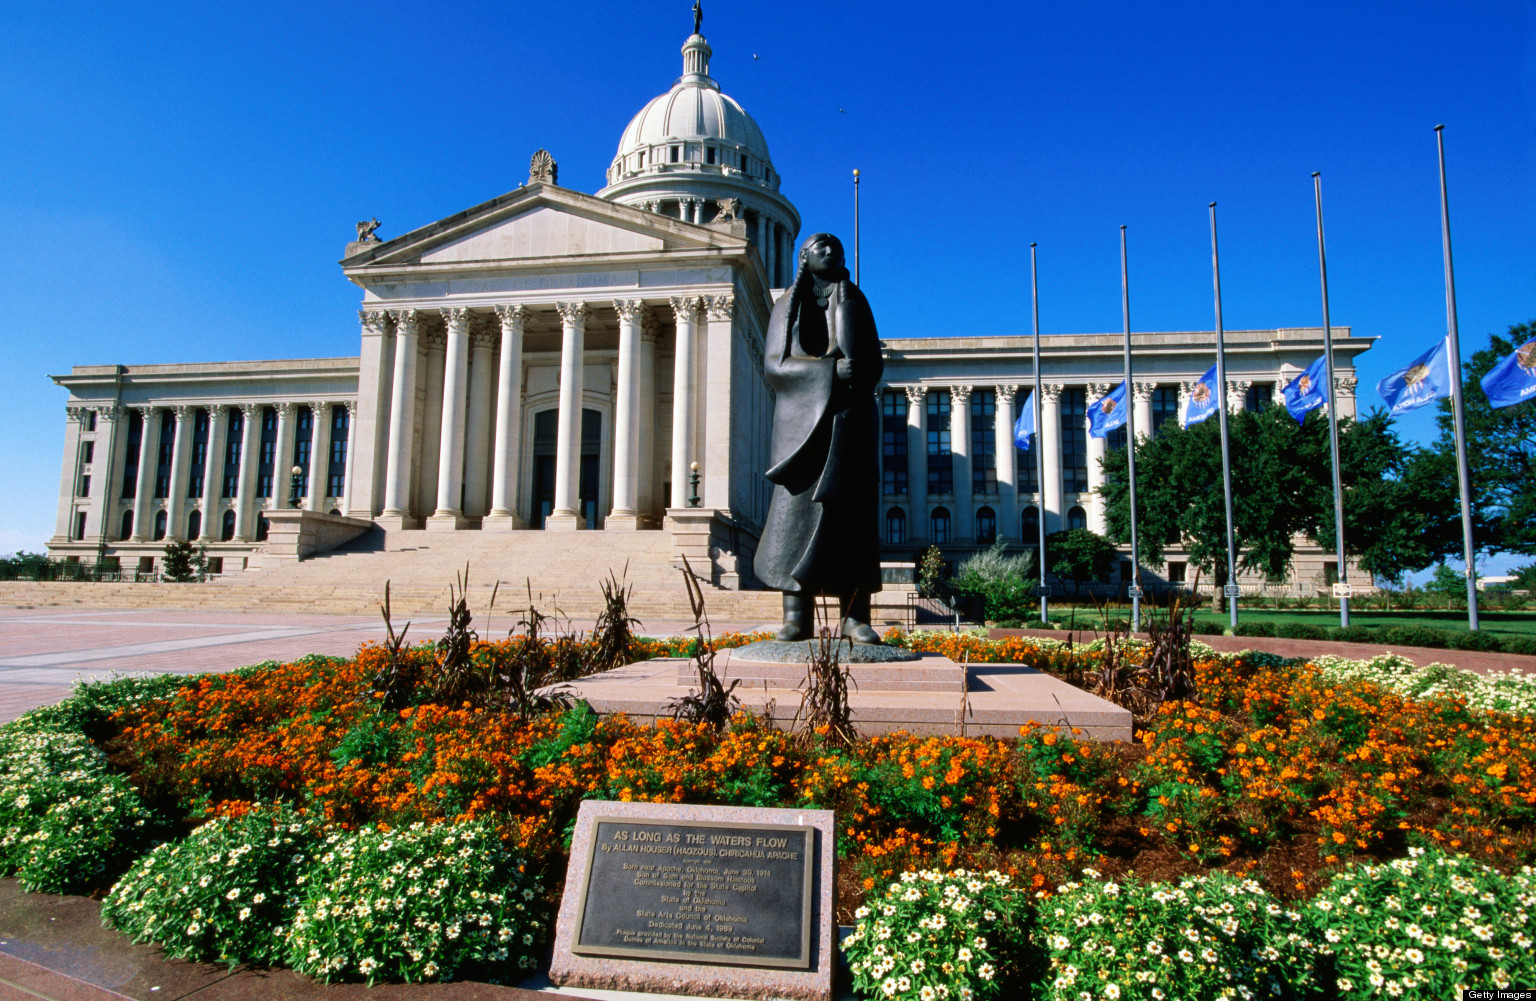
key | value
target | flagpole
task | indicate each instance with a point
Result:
(1034, 286)
(855, 225)
(1231, 591)
(1462, 470)
(1130, 438)
(1333, 411)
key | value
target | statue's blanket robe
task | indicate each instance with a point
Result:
(821, 535)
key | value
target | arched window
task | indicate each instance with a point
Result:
(228, 531)
(160, 519)
(1029, 525)
(194, 525)
(261, 528)
(125, 527)
(986, 526)
(1077, 518)
(895, 527)
(938, 526)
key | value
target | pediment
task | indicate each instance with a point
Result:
(542, 222)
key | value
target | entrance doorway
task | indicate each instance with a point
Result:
(545, 425)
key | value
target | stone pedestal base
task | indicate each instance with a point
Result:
(294, 533)
(507, 522)
(558, 522)
(397, 522)
(447, 521)
(625, 521)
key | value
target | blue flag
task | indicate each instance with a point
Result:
(1306, 391)
(1426, 379)
(1108, 413)
(1512, 380)
(1024, 427)
(1203, 399)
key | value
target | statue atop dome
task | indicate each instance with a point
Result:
(698, 16)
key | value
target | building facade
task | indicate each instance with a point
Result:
(558, 361)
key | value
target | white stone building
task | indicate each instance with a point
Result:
(553, 360)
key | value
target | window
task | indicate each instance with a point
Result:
(195, 525)
(941, 477)
(199, 465)
(215, 565)
(90, 420)
(984, 442)
(79, 526)
(1029, 526)
(709, 154)
(986, 526)
(893, 441)
(674, 154)
(336, 470)
(227, 531)
(1331, 572)
(125, 526)
(268, 460)
(146, 564)
(232, 439)
(1260, 396)
(303, 445)
(1176, 571)
(1026, 464)
(88, 452)
(895, 527)
(1165, 407)
(165, 454)
(1074, 441)
(135, 447)
(938, 526)
(160, 519)
(85, 486)
(1077, 518)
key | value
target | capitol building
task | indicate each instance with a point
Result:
(553, 360)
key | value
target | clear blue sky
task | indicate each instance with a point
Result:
(177, 181)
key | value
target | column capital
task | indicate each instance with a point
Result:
(1237, 392)
(284, 409)
(406, 321)
(960, 394)
(351, 406)
(318, 407)
(75, 413)
(252, 411)
(572, 312)
(457, 318)
(916, 395)
(1345, 384)
(629, 310)
(373, 320)
(721, 307)
(1097, 390)
(1006, 393)
(481, 338)
(1050, 392)
(146, 410)
(511, 315)
(434, 338)
(109, 414)
(685, 308)
(183, 411)
(1144, 390)
(650, 326)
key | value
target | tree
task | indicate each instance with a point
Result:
(1004, 583)
(930, 570)
(180, 561)
(1501, 453)
(1080, 556)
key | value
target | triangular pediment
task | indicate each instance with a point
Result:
(542, 222)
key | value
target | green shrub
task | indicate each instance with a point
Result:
(417, 904)
(225, 893)
(91, 706)
(1209, 937)
(1300, 631)
(1254, 629)
(1428, 926)
(1208, 627)
(1475, 641)
(66, 821)
(1412, 636)
(936, 935)
(1520, 644)
(1005, 584)
(1352, 634)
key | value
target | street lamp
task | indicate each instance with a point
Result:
(293, 495)
(693, 484)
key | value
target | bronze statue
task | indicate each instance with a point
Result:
(365, 230)
(698, 16)
(822, 360)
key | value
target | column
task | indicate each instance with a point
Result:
(509, 411)
(144, 489)
(477, 436)
(771, 254)
(1007, 466)
(650, 329)
(1142, 411)
(402, 418)
(74, 417)
(368, 423)
(917, 463)
(963, 526)
(626, 419)
(1344, 390)
(1050, 443)
(346, 468)
(1096, 448)
(1237, 394)
(319, 456)
(282, 462)
(686, 311)
(213, 472)
(250, 463)
(573, 327)
(450, 455)
(1186, 392)
(762, 241)
(181, 467)
(109, 443)
(716, 421)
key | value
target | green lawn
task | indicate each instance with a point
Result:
(1522, 623)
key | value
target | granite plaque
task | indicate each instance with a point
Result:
(698, 892)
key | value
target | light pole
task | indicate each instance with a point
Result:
(293, 492)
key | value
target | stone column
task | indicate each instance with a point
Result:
(762, 241)
(282, 462)
(368, 423)
(917, 462)
(144, 489)
(1344, 390)
(567, 514)
(402, 420)
(1237, 394)
(509, 411)
(74, 418)
(1049, 435)
(346, 469)
(1143, 409)
(319, 456)
(250, 464)
(213, 472)
(717, 420)
(108, 444)
(1096, 449)
(1007, 466)
(477, 435)
(1186, 391)
(181, 468)
(450, 455)
(627, 419)
(771, 254)
(650, 329)
(686, 311)
(963, 526)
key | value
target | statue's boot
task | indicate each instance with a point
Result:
(798, 609)
(856, 620)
